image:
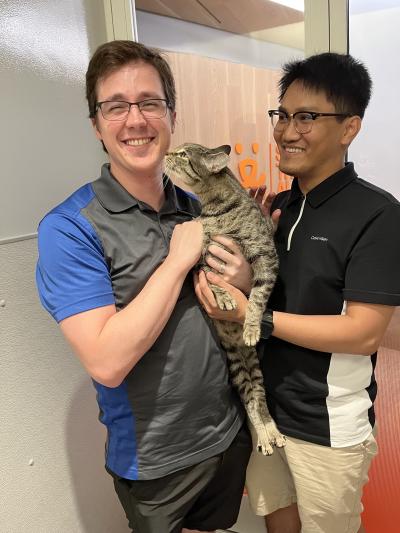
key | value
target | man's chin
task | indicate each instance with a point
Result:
(289, 171)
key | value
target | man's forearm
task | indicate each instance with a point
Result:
(359, 331)
(110, 343)
(130, 333)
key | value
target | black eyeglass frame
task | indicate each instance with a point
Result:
(292, 116)
(130, 104)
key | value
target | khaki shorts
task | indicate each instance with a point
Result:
(325, 482)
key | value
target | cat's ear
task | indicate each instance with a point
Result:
(218, 159)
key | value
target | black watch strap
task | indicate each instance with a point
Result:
(267, 324)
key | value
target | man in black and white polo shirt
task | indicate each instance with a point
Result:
(339, 249)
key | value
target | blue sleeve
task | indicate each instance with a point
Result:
(71, 274)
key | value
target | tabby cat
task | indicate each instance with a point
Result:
(227, 209)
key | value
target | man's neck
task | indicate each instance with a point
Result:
(308, 183)
(149, 190)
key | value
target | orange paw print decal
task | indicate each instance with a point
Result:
(248, 168)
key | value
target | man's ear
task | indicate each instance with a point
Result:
(173, 121)
(96, 129)
(352, 126)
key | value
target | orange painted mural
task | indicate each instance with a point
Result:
(251, 173)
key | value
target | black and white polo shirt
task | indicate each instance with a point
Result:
(339, 243)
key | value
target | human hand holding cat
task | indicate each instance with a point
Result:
(235, 269)
(208, 302)
(186, 244)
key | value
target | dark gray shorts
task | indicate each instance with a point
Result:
(205, 496)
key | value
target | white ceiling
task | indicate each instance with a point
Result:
(364, 6)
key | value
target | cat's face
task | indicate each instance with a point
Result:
(194, 164)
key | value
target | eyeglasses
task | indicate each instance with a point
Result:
(119, 110)
(303, 120)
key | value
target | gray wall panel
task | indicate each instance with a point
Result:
(47, 146)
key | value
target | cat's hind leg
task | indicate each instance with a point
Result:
(266, 430)
(246, 376)
(264, 275)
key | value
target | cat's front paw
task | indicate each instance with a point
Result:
(251, 334)
(224, 300)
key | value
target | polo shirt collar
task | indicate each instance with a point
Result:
(116, 199)
(326, 188)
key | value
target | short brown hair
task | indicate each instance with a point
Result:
(113, 55)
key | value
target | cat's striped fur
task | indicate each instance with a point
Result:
(227, 209)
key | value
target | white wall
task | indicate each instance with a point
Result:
(52, 478)
(180, 36)
(48, 148)
(48, 417)
(375, 39)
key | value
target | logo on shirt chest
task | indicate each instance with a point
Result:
(318, 238)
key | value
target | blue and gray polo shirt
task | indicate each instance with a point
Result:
(339, 243)
(176, 407)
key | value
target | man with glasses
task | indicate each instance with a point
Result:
(337, 286)
(114, 271)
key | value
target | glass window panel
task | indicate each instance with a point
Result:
(226, 57)
(375, 39)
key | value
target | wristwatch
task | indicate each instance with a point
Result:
(267, 324)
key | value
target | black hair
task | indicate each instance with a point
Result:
(344, 80)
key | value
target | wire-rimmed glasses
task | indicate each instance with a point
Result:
(119, 109)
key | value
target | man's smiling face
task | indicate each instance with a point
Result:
(137, 145)
(316, 155)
